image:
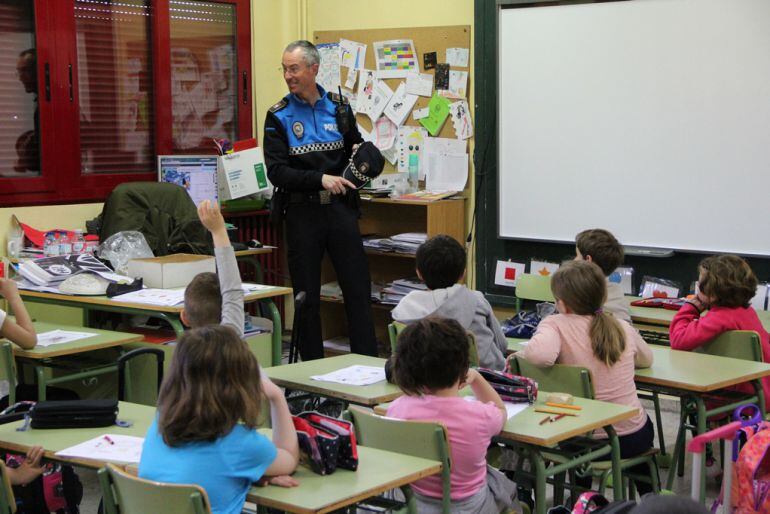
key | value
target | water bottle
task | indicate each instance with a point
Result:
(65, 246)
(78, 243)
(51, 245)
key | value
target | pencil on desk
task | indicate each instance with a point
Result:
(544, 420)
(564, 406)
(552, 411)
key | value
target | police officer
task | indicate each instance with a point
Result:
(308, 140)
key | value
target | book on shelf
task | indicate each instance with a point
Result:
(428, 196)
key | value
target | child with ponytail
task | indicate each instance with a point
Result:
(583, 334)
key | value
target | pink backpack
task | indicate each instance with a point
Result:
(751, 473)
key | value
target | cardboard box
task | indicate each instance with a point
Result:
(170, 271)
(241, 174)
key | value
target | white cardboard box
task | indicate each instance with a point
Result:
(241, 173)
(171, 271)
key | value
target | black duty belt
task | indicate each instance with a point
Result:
(323, 197)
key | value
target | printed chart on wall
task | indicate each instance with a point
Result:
(410, 88)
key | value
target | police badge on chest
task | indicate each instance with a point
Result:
(299, 129)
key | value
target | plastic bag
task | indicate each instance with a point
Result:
(122, 247)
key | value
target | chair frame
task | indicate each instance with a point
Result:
(533, 287)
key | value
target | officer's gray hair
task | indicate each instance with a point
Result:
(309, 51)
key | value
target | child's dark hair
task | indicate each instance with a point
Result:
(203, 300)
(431, 354)
(212, 384)
(441, 261)
(728, 280)
(583, 288)
(605, 251)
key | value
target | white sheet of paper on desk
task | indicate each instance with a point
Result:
(420, 84)
(446, 172)
(53, 337)
(124, 449)
(160, 297)
(457, 57)
(511, 408)
(354, 375)
(25, 284)
(249, 287)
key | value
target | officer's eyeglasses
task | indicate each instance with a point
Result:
(293, 69)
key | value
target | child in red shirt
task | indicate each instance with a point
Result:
(726, 286)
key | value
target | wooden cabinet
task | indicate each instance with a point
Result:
(386, 217)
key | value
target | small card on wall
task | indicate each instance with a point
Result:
(542, 268)
(759, 302)
(623, 275)
(507, 273)
(429, 61)
(441, 78)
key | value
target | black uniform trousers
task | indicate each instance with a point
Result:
(313, 229)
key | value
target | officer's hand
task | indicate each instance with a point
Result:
(336, 184)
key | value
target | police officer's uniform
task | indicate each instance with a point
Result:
(301, 143)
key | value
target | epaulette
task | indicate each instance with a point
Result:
(336, 98)
(280, 105)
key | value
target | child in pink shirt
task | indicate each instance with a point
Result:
(726, 285)
(583, 334)
(431, 365)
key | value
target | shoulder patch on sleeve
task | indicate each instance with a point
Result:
(280, 105)
(336, 98)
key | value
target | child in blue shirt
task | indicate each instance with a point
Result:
(208, 412)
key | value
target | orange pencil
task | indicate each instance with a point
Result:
(564, 406)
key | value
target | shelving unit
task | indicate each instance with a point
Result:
(386, 217)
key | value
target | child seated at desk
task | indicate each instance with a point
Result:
(208, 412)
(214, 298)
(21, 331)
(440, 264)
(431, 366)
(726, 285)
(583, 334)
(600, 247)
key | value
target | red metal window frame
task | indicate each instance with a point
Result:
(61, 180)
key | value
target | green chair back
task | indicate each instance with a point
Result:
(737, 344)
(9, 368)
(7, 501)
(533, 287)
(416, 438)
(127, 494)
(561, 378)
(395, 328)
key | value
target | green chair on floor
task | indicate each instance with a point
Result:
(7, 501)
(533, 287)
(576, 381)
(416, 438)
(127, 494)
(395, 328)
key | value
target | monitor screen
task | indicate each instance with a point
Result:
(196, 173)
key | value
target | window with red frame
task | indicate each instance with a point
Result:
(92, 91)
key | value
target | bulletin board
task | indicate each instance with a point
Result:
(426, 40)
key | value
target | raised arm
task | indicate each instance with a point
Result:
(21, 331)
(284, 434)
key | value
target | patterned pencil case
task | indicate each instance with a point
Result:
(347, 456)
(511, 388)
(318, 448)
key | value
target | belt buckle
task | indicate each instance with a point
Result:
(324, 197)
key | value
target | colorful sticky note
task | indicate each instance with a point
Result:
(507, 273)
(439, 110)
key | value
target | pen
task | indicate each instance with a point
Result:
(107, 438)
(545, 420)
(557, 418)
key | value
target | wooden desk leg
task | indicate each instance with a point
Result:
(619, 492)
(275, 316)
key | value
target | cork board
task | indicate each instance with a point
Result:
(426, 40)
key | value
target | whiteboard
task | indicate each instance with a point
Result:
(650, 118)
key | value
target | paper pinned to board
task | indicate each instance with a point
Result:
(458, 57)
(350, 82)
(420, 84)
(419, 114)
(439, 110)
(395, 58)
(352, 54)
(507, 273)
(373, 95)
(329, 69)
(410, 143)
(446, 172)
(461, 119)
(458, 85)
(400, 105)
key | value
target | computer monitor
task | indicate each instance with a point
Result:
(196, 173)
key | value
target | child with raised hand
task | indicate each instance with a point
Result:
(603, 249)
(21, 331)
(431, 366)
(726, 285)
(584, 334)
(208, 412)
(214, 298)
